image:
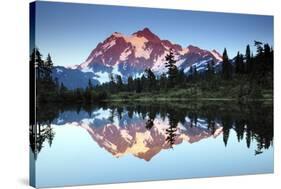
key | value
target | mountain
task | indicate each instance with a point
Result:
(130, 55)
(73, 78)
(133, 138)
(128, 135)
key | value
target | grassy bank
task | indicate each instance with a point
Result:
(193, 94)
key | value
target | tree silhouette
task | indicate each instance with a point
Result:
(48, 66)
(210, 69)
(249, 61)
(227, 125)
(163, 82)
(38, 133)
(239, 64)
(138, 85)
(130, 87)
(171, 131)
(36, 60)
(226, 66)
(149, 123)
(172, 68)
(151, 80)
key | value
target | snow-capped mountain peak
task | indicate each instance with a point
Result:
(147, 34)
(130, 55)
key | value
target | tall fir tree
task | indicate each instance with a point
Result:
(172, 68)
(163, 82)
(190, 73)
(36, 60)
(151, 80)
(119, 83)
(226, 66)
(130, 84)
(138, 85)
(88, 92)
(112, 84)
(239, 63)
(249, 62)
(48, 66)
(63, 89)
(90, 85)
(210, 69)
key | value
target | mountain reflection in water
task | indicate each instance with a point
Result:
(143, 130)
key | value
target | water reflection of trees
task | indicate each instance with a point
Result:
(40, 130)
(250, 122)
(37, 135)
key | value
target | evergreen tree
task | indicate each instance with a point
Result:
(181, 78)
(88, 92)
(130, 84)
(57, 86)
(112, 84)
(210, 69)
(63, 89)
(119, 83)
(48, 66)
(243, 66)
(263, 64)
(138, 85)
(143, 82)
(171, 131)
(36, 60)
(46, 88)
(227, 125)
(90, 85)
(271, 59)
(226, 66)
(267, 64)
(259, 47)
(195, 74)
(151, 80)
(163, 82)
(172, 68)
(190, 73)
(79, 95)
(249, 62)
(239, 64)
(50, 135)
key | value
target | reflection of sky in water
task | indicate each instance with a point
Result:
(76, 159)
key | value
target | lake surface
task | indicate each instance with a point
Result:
(125, 142)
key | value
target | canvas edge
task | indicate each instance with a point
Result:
(32, 105)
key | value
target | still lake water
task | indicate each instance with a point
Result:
(128, 142)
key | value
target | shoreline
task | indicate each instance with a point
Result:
(184, 99)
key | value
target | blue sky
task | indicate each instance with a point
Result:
(69, 32)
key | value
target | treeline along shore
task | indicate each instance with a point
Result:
(247, 77)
